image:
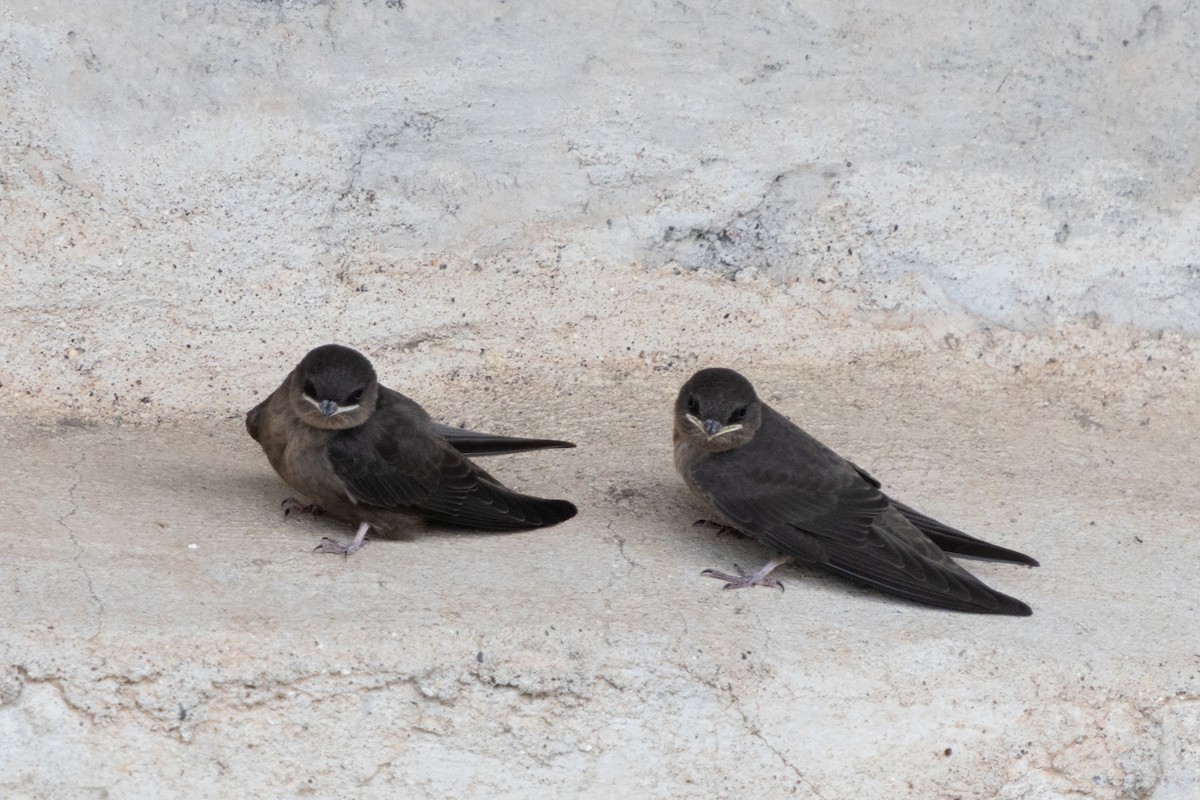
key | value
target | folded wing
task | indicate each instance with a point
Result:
(397, 462)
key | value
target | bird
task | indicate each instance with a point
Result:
(368, 455)
(766, 478)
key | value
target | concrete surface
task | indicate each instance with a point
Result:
(186, 186)
(169, 634)
(958, 244)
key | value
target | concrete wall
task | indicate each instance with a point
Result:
(191, 190)
(958, 242)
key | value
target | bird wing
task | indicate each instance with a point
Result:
(794, 494)
(955, 541)
(902, 560)
(788, 502)
(396, 461)
(474, 443)
(952, 540)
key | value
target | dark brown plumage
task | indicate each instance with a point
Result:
(368, 455)
(767, 478)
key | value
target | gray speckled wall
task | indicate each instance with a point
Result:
(191, 187)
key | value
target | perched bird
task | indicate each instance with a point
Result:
(368, 455)
(765, 477)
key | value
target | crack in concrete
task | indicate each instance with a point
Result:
(227, 693)
(62, 521)
(766, 631)
(76, 702)
(753, 728)
(606, 591)
(620, 540)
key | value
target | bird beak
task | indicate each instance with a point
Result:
(327, 408)
(711, 428)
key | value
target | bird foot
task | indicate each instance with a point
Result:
(292, 505)
(744, 580)
(328, 545)
(720, 527)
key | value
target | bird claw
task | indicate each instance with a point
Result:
(745, 580)
(328, 545)
(291, 504)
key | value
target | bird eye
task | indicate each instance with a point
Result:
(310, 390)
(354, 397)
(693, 405)
(738, 414)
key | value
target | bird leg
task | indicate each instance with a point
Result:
(744, 580)
(328, 545)
(291, 504)
(720, 527)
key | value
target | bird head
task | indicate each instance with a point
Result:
(334, 387)
(718, 410)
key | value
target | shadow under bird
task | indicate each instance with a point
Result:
(765, 477)
(368, 455)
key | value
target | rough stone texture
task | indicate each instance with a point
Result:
(958, 244)
(198, 187)
(169, 634)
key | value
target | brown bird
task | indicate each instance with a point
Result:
(767, 478)
(368, 455)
